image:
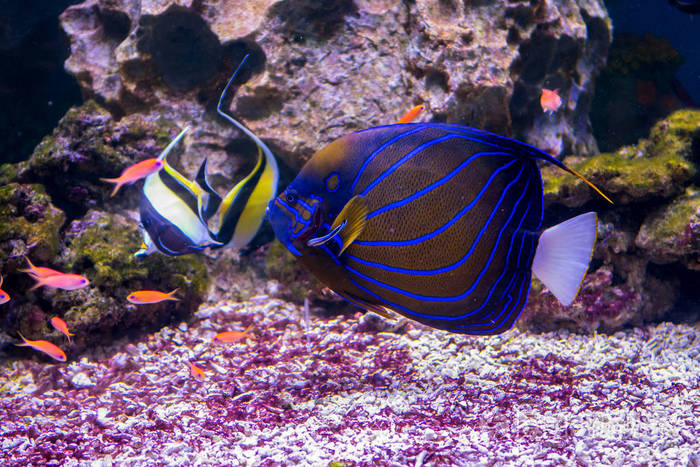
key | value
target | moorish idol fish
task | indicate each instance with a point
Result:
(171, 210)
(175, 212)
(438, 222)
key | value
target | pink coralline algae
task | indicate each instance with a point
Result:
(340, 392)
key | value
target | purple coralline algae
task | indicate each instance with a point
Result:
(338, 393)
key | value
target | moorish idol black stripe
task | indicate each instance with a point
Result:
(438, 222)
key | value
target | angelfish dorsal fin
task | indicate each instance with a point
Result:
(355, 213)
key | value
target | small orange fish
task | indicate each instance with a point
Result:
(550, 101)
(197, 373)
(35, 271)
(47, 347)
(62, 281)
(61, 325)
(144, 297)
(233, 336)
(4, 296)
(411, 115)
(135, 172)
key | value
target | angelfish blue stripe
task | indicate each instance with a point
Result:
(430, 272)
(434, 185)
(491, 326)
(411, 154)
(505, 268)
(440, 230)
(378, 150)
(476, 282)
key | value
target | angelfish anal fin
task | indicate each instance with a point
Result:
(354, 213)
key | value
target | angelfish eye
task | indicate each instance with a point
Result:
(291, 197)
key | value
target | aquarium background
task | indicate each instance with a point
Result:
(89, 88)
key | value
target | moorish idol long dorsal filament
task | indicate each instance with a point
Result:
(242, 210)
(450, 227)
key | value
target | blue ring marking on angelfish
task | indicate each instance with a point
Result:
(520, 252)
(480, 328)
(492, 324)
(505, 267)
(439, 230)
(377, 151)
(453, 298)
(469, 131)
(434, 185)
(290, 211)
(328, 180)
(458, 263)
(411, 154)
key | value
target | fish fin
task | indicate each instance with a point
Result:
(29, 271)
(0, 280)
(208, 200)
(39, 283)
(239, 223)
(322, 240)
(590, 184)
(118, 185)
(170, 296)
(172, 144)
(355, 213)
(563, 254)
(247, 331)
(25, 343)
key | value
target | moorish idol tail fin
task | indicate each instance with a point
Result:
(563, 253)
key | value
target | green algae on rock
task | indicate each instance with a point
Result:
(100, 246)
(28, 222)
(672, 233)
(86, 145)
(657, 167)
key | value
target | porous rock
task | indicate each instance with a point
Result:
(322, 69)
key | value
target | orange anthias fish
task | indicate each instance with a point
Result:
(47, 347)
(145, 297)
(411, 115)
(4, 296)
(233, 336)
(62, 281)
(37, 272)
(61, 325)
(135, 172)
(550, 101)
(197, 373)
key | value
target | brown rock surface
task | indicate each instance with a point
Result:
(324, 69)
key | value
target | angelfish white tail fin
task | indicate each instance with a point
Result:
(563, 254)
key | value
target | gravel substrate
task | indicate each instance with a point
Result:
(348, 392)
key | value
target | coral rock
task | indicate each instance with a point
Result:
(323, 69)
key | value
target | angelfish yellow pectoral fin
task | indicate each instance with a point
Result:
(355, 214)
